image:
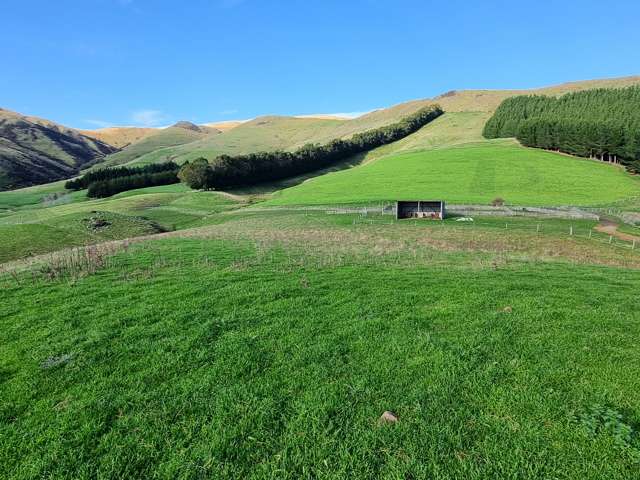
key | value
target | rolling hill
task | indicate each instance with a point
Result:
(44, 158)
(179, 134)
(273, 132)
(120, 137)
(288, 133)
(34, 150)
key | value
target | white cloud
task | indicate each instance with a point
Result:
(228, 112)
(149, 118)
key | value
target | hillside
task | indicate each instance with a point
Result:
(120, 137)
(288, 133)
(49, 152)
(224, 126)
(179, 134)
(34, 150)
(271, 338)
(602, 124)
(271, 133)
(489, 100)
(470, 174)
(467, 111)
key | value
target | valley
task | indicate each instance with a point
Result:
(261, 331)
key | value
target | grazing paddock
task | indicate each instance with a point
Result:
(270, 346)
(470, 174)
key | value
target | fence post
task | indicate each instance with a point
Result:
(571, 230)
(610, 239)
(590, 233)
(506, 226)
(538, 228)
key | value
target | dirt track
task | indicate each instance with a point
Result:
(611, 228)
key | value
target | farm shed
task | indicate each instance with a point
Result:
(432, 209)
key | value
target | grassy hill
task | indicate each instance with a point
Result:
(470, 174)
(33, 227)
(280, 133)
(45, 159)
(288, 133)
(160, 140)
(34, 150)
(120, 137)
(224, 126)
(489, 100)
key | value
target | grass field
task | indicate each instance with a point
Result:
(30, 196)
(41, 229)
(70, 230)
(470, 174)
(269, 346)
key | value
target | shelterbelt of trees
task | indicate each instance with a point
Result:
(245, 170)
(602, 124)
(109, 181)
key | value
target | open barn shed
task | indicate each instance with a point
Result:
(430, 209)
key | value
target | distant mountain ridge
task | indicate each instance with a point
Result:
(34, 150)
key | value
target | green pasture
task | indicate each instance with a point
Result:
(470, 174)
(194, 358)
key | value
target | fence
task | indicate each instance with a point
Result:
(368, 216)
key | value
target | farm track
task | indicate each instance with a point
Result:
(611, 228)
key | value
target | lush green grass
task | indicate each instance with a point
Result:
(30, 196)
(446, 131)
(470, 174)
(630, 229)
(220, 359)
(71, 230)
(38, 230)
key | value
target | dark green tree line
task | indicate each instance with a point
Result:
(106, 174)
(106, 188)
(602, 124)
(244, 170)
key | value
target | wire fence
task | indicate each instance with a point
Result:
(367, 216)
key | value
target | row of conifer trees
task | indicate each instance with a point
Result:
(109, 181)
(244, 170)
(107, 188)
(232, 171)
(602, 124)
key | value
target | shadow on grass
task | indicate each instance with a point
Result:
(271, 187)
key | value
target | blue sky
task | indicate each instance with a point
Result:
(95, 63)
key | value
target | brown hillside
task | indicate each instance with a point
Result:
(119, 137)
